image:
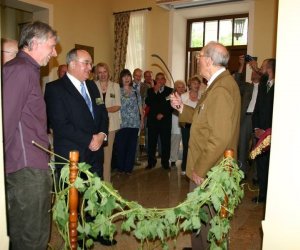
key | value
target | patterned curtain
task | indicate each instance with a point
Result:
(121, 39)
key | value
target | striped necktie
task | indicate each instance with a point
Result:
(86, 98)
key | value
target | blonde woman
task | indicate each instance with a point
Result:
(190, 98)
(110, 94)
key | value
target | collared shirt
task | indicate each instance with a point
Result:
(251, 105)
(271, 83)
(77, 84)
(215, 75)
(25, 117)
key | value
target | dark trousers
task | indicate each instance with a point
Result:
(126, 140)
(244, 139)
(199, 241)
(185, 133)
(29, 201)
(262, 163)
(165, 137)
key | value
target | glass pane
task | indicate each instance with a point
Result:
(197, 35)
(240, 32)
(225, 32)
(211, 31)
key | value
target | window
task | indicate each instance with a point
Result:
(135, 57)
(231, 31)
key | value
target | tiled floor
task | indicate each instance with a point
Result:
(160, 188)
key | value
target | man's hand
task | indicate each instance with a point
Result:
(258, 132)
(197, 179)
(253, 65)
(176, 102)
(159, 116)
(96, 141)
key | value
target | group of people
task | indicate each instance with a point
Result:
(97, 116)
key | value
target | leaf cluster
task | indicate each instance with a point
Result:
(101, 206)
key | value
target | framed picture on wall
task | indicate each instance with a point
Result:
(87, 48)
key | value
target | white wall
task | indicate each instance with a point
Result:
(178, 27)
(282, 220)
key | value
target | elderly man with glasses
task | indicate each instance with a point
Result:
(215, 122)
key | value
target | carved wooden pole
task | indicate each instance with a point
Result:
(223, 212)
(73, 200)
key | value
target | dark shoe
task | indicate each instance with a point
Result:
(173, 164)
(149, 167)
(258, 199)
(167, 167)
(105, 242)
(255, 182)
(137, 163)
(187, 248)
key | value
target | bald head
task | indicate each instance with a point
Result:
(217, 52)
(9, 49)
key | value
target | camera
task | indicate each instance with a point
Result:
(248, 58)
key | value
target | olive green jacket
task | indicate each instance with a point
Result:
(215, 124)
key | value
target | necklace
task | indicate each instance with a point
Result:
(103, 86)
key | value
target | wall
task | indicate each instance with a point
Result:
(86, 22)
(157, 40)
(282, 221)
(265, 25)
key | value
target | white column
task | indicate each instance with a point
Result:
(281, 226)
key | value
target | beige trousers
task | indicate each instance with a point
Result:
(107, 156)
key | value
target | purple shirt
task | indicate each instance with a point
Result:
(24, 115)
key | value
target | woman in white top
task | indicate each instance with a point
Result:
(110, 94)
(179, 87)
(189, 98)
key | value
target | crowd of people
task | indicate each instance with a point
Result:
(103, 120)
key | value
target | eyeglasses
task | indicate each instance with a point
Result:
(86, 63)
(199, 56)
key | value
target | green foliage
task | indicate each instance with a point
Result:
(104, 206)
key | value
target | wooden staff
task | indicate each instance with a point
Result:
(223, 212)
(73, 200)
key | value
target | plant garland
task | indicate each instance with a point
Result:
(101, 202)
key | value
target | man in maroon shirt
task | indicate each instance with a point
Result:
(28, 178)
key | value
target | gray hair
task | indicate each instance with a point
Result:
(71, 55)
(217, 52)
(37, 30)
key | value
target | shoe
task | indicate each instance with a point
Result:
(255, 182)
(137, 163)
(258, 199)
(173, 164)
(167, 167)
(182, 172)
(187, 248)
(149, 166)
(105, 242)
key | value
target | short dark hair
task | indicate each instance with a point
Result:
(38, 30)
(125, 72)
(271, 63)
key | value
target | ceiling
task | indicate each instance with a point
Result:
(182, 4)
(20, 5)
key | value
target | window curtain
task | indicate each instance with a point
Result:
(121, 40)
(135, 57)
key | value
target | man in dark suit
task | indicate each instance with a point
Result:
(248, 99)
(159, 121)
(76, 113)
(262, 120)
